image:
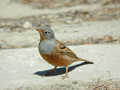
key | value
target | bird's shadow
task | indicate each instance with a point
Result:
(58, 71)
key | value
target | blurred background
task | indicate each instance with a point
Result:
(74, 21)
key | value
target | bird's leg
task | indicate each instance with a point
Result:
(52, 70)
(66, 73)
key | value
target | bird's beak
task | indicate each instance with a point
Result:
(39, 30)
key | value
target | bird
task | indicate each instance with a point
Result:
(56, 52)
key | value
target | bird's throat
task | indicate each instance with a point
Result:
(46, 46)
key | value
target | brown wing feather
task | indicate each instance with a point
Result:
(66, 51)
(62, 49)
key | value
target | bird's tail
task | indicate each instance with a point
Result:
(86, 61)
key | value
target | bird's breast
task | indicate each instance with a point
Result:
(46, 47)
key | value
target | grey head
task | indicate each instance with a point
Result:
(46, 33)
(47, 40)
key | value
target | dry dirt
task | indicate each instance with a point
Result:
(25, 69)
(75, 22)
(99, 18)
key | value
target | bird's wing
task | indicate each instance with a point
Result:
(63, 50)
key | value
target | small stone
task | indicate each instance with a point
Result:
(27, 25)
(75, 82)
(108, 38)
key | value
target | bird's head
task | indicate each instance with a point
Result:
(46, 33)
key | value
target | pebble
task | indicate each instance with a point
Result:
(27, 25)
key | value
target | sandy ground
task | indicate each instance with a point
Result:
(84, 33)
(25, 68)
(16, 10)
(69, 23)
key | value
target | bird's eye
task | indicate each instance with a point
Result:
(46, 32)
